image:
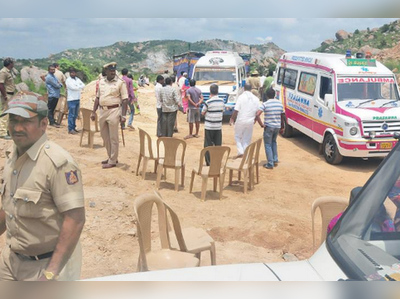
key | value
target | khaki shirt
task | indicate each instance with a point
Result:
(37, 187)
(254, 82)
(112, 92)
(7, 78)
(60, 77)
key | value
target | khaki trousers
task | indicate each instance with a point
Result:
(4, 119)
(109, 126)
(13, 267)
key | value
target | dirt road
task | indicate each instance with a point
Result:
(258, 227)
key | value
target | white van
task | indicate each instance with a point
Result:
(349, 105)
(224, 68)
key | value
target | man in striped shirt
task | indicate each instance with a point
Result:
(273, 124)
(213, 110)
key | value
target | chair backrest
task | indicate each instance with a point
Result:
(248, 155)
(256, 159)
(329, 206)
(218, 159)
(87, 121)
(175, 224)
(171, 146)
(146, 147)
(143, 207)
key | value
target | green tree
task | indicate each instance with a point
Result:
(357, 31)
(82, 70)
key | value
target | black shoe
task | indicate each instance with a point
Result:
(55, 125)
(268, 167)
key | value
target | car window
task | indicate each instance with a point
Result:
(325, 87)
(290, 78)
(307, 83)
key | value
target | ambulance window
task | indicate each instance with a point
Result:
(307, 83)
(280, 75)
(326, 87)
(290, 78)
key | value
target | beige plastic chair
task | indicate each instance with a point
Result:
(170, 159)
(329, 206)
(146, 153)
(163, 258)
(218, 159)
(191, 239)
(87, 126)
(256, 160)
(245, 165)
(61, 109)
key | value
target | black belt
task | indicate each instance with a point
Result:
(10, 93)
(36, 257)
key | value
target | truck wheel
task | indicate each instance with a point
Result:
(287, 129)
(331, 151)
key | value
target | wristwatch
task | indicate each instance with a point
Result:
(50, 275)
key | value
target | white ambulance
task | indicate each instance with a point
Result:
(349, 105)
(224, 68)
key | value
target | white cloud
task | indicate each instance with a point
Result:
(264, 40)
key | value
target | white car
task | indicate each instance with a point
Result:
(363, 245)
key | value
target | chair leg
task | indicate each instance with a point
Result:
(91, 139)
(138, 165)
(177, 172)
(155, 165)
(159, 173)
(203, 187)
(165, 173)
(145, 161)
(215, 184)
(239, 175)
(191, 182)
(230, 177)
(80, 143)
(213, 254)
(245, 180)
(221, 185)
(183, 176)
(257, 173)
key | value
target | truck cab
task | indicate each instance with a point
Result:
(224, 68)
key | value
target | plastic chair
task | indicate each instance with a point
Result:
(191, 239)
(146, 152)
(329, 206)
(171, 146)
(218, 159)
(61, 109)
(87, 127)
(256, 160)
(163, 258)
(245, 165)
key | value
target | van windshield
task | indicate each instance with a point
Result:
(366, 239)
(207, 76)
(367, 88)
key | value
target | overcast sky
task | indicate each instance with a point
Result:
(38, 38)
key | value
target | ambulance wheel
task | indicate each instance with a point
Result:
(287, 129)
(331, 151)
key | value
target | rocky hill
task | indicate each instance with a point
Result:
(153, 56)
(379, 41)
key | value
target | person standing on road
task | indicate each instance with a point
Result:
(243, 117)
(7, 90)
(213, 111)
(195, 99)
(273, 124)
(170, 100)
(267, 85)
(42, 209)
(112, 97)
(254, 81)
(158, 88)
(74, 89)
(53, 90)
(131, 97)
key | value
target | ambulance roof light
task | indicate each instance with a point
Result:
(348, 54)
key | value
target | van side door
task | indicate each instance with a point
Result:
(323, 116)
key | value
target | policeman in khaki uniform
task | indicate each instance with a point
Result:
(7, 90)
(42, 203)
(112, 99)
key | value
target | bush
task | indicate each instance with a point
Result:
(357, 31)
(66, 64)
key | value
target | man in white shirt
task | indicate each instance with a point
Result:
(158, 88)
(244, 117)
(182, 80)
(74, 89)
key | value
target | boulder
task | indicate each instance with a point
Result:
(371, 37)
(327, 42)
(367, 48)
(33, 73)
(342, 35)
(22, 87)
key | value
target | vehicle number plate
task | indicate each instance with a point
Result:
(386, 145)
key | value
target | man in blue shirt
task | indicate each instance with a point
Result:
(273, 124)
(53, 90)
